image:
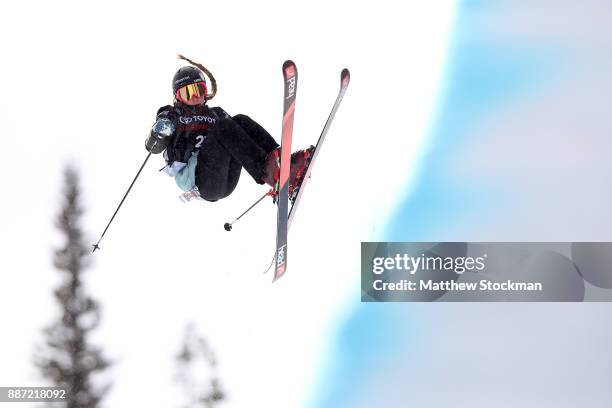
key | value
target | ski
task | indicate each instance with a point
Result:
(282, 186)
(345, 78)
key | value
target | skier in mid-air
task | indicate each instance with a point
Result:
(205, 148)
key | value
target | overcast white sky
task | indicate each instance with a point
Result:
(164, 263)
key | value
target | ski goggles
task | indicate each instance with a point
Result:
(190, 91)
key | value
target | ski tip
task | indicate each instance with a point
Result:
(289, 68)
(345, 77)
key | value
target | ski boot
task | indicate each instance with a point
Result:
(299, 163)
(271, 170)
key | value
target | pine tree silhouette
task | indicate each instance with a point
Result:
(69, 359)
(196, 372)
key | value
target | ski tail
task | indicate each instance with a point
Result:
(282, 188)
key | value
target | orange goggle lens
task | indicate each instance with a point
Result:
(190, 91)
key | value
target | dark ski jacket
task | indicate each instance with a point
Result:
(192, 124)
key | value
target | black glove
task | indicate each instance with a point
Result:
(160, 135)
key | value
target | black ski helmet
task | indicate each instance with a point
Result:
(186, 76)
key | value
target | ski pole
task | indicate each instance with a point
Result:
(95, 246)
(228, 225)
